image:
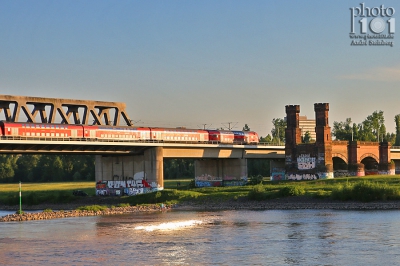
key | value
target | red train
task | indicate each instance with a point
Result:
(125, 133)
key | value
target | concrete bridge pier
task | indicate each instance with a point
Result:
(131, 174)
(154, 166)
(218, 172)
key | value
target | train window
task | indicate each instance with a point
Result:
(42, 126)
(56, 127)
(52, 126)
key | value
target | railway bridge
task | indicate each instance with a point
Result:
(135, 165)
(138, 165)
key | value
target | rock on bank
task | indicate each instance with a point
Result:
(77, 213)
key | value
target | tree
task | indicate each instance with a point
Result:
(26, 164)
(278, 131)
(373, 127)
(8, 165)
(246, 127)
(343, 130)
(397, 121)
(307, 137)
(267, 139)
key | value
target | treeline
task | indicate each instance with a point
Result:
(58, 168)
(371, 129)
(46, 168)
(184, 168)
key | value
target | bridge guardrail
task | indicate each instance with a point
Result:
(44, 138)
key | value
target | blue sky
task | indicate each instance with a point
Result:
(189, 63)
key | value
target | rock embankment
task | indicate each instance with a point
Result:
(45, 215)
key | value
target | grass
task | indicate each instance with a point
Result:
(36, 193)
(367, 188)
(94, 208)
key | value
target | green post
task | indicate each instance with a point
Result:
(20, 199)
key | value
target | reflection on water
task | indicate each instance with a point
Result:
(301, 237)
(168, 226)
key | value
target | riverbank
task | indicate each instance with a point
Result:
(49, 214)
(288, 203)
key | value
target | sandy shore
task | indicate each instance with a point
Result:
(289, 203)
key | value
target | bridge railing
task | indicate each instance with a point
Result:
(68, 139)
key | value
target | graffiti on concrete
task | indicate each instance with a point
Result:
(200, 183)
(232, 183)
(341, 173)
(309, 176)
(302, 176)
(206, 180)
(277, 176)
(129, 187)
(207, 177)
(387, 172)
(305, 162)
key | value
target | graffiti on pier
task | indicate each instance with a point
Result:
(305, 162)
(302, 176)
(206, 180)
(277, 174)
(309, 176)
(128, 187)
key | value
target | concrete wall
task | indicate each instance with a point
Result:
(218, 172)
(131, 175)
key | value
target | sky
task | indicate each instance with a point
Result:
(202, 64)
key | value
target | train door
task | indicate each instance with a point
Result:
(14, 131)
(74, 133)
(92, 134)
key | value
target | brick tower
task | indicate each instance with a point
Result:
(323, 142)
(292, 135)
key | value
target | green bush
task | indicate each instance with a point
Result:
(296, 190)
(255, 180)
(123, 205)
(92, 208)
(257, 193)
(365, 191)
(192, 184)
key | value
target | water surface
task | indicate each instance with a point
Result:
(270, 237)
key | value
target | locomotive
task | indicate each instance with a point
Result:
(125, 133)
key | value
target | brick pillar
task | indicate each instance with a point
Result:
(323, 142)
(385, 165)
(356, 168)
(292, 135)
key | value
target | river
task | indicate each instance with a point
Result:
(270, 237)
